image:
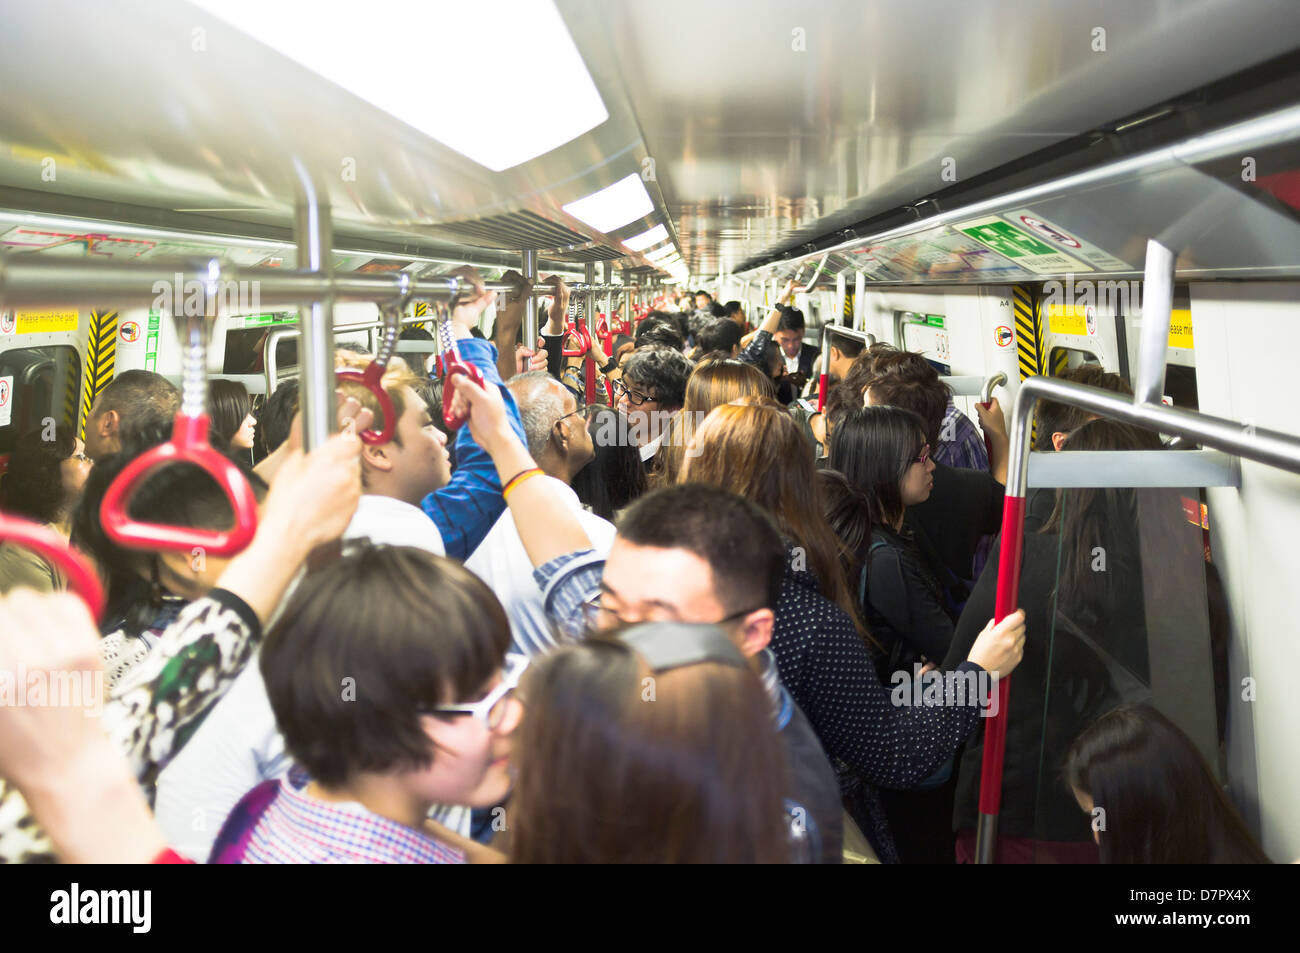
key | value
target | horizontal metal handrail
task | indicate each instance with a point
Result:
(1134, 468)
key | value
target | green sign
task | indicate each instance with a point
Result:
(261, 320)
(1005, 239)
(934, 320)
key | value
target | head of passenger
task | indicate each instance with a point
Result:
(789, 332)
(717, 310)
(884, 452)
(719, 335)
(774, 361)
(558, 439)
(277, 416)
(697, 775)
(133, 402)
(909, 381)
(702, 300)
(844, 351)
(415, 461)
(621, 346)
(712, 384)
(615, 476)
(754, 447)
(365, 620)
(862, 370)
(848, 513)
(736, 312)
(652, 389)
(659, 330)
(1055, 422)
(1160, 802)
(180, 494)
(695, 553)
(231, 411)
(45, 477)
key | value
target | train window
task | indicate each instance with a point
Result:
(37, 384)
(927, 334)
(246, 338)
(1067, 358)
(1180, 386)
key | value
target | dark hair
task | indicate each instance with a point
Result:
(848, 513)
(615, 476)
(179, 494)
(791, 319)
(661, 368)
(277, 415)
(620, 341)
(851, 348)
(721, 334)
(862, 370)
(659, 334)
(364, 621)
(228, 405)
(1051, 417)
(874, 447)
(736, 538)
(1106, 517)
(718, 311)
(411, 332)
(909, 381)
(144, 401)
(33, 484)
(773, 360)
(697, 776)
(733, 308)
(1162, 804)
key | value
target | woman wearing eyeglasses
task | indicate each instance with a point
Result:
(883, 453)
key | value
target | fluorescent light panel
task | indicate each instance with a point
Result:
(406, 59)
(653, 237)
(661, 253)
(613, 206)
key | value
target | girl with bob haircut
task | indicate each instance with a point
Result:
(620, 761)
(233, 424)
(712, 384)
(44, 480)
(1162, 804)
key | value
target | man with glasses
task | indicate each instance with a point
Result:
(561, 445)
(651, 391)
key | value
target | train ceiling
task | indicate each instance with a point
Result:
(760, 131)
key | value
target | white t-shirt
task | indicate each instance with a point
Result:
(239, 746)
(502, 562)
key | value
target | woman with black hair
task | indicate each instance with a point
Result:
(1160, 803)
(882, 451)
(233, 423)
(43, 482)
(616, 476)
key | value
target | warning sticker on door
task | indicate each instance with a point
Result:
(46, 322)
(1065, 241)
(7, 323)
(1022, 247)
(1077, 319)
(1180, 329)
(6, 400)
(1003, 337)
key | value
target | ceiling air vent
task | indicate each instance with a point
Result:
(516, 230)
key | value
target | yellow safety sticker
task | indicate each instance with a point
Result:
(1180, 328)
(46, 322)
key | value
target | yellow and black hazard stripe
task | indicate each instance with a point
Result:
(101, 358)
(421, 309)
(846, 318)
(1030, 346)
(71, 388)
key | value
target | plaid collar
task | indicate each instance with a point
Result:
(347, 832)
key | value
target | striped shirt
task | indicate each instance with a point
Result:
(961, 444)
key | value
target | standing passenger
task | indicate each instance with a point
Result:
(43, 483)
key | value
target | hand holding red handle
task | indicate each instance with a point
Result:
(189, 444)
(452, 366)
(55, 550)
(580, 332)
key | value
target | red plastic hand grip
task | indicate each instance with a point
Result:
(453, 366)
(584, 339)
(371, 379)
(55, 550)
(189, 444)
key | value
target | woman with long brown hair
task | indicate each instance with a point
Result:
(711, 384)
(754, 448)
(654, 747)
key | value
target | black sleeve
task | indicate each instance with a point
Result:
(993, 507)
(978, 611)
(554, 359)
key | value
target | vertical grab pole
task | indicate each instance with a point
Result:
(1010, 553)
(1157, 312)
(313, 232)
(528, 268)
(608, 271)
(589, 362)
(859, 301)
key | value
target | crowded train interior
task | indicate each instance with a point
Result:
(562, 431)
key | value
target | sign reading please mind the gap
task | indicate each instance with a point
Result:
(1026, 250)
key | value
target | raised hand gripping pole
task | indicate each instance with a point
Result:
(986, 401)
(188, 444)
(55, 550)
(452, 365)
(371, 378)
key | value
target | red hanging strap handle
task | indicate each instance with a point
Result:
(189, 444)
(372, 377)
(453, 365)
(580, 332)
(55, 550)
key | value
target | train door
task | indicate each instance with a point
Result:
(41, 370)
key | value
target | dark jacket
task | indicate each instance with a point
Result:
(902, 601)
